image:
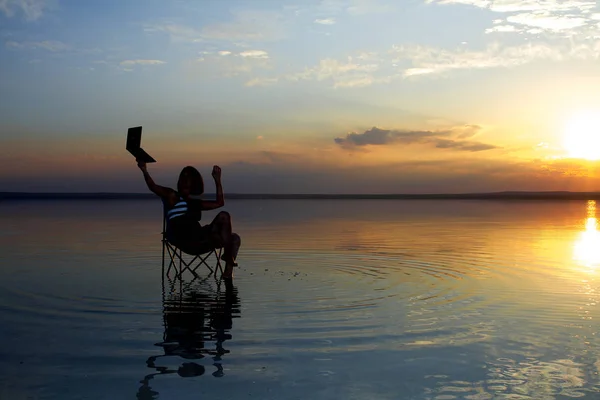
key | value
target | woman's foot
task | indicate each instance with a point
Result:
(228, 260)
(228, 273)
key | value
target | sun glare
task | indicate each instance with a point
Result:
(582, 136)
(587, 247)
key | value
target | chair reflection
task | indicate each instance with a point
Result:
(197, 317)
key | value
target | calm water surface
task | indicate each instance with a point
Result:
(332, 300)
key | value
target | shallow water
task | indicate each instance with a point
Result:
(348, 299)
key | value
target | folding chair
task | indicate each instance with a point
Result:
(177, 256)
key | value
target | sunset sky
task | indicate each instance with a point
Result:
(330, 96)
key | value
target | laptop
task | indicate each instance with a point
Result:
(134, 140)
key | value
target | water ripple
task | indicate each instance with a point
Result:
(468, 306)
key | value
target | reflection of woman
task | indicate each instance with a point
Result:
(192, 319)
(184, 209)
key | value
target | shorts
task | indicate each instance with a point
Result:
(188, 235)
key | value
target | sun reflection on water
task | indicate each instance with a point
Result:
(587, 246)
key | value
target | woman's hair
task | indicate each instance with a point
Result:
(197, 184)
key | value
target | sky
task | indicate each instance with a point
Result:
(304, 96)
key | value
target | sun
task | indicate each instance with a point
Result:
(582, 136)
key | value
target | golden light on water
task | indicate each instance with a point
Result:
(587, 246)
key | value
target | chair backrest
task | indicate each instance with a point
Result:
(164, 217)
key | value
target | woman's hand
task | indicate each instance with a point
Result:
(141, 165)
(216, 173)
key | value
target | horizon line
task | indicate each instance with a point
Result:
(504, 195)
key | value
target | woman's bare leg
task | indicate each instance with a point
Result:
(230, 254)
(225, 238)
(236, 242)
(221, 228)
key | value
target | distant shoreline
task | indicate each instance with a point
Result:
(248, 196)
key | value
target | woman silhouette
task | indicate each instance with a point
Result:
(183, 211)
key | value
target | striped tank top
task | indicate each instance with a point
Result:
(178, 209)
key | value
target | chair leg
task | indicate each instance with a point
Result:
(172, 254)
(163, 257)
(219, 266)
(203, 261)
(175, 254)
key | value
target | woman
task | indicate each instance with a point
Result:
(183, 210)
